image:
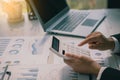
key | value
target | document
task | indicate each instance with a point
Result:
(45, 72)
(22, 50)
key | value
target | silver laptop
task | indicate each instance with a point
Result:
(56, 17)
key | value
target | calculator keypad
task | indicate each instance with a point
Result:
(76, 49)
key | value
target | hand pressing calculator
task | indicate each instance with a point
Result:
(61, 48)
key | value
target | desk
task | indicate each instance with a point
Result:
(33, 28)
(109, 26)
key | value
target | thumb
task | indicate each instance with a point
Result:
(72, 56)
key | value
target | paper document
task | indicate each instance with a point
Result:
(45, 72)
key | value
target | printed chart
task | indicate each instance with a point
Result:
(22, 50)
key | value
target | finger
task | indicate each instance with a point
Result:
(79, 57)
(93, 38)
(87, 40)
(69, 56)
(72, 56)
(68, 61)
(94, 46)
(84, 58)
(76, 57)
(83, 42)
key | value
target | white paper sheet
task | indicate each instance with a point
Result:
(45, 72)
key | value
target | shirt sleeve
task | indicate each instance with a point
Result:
(117, 46)
(100, 72)
(115, 50)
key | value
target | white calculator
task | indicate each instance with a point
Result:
(60, 48)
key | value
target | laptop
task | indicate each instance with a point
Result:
(56, 17)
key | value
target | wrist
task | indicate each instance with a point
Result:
(96, 71)
(96, 68)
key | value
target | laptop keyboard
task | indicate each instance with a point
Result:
(70, 22)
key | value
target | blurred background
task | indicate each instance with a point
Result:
(19, 6)
(87, 4)
(74, 4)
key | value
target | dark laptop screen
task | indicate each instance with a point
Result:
(47, 9)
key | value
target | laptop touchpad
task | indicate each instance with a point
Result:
(89, 22)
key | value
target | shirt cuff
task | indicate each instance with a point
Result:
(100, 72)
(117, 46)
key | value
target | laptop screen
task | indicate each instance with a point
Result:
(47, 9)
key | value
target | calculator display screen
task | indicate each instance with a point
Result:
(55, 44)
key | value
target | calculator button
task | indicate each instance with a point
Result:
(63, 52)
(76, 50)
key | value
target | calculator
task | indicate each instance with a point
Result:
(60, 48)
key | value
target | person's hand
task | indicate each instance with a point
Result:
(97, 40)
(82, 64)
